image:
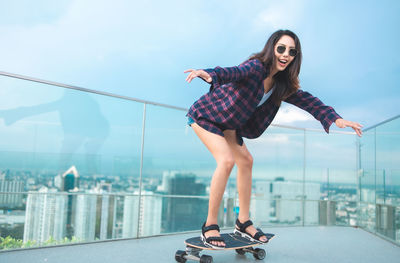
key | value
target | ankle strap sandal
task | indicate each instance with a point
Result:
(207, 241)
(241, 230)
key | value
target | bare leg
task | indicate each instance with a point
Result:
(221, 152)
(244, 163)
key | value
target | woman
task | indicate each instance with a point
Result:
(242, 102)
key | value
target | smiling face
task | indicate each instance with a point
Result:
(285, 50)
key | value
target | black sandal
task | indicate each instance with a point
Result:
(240, 229)
(207, 241)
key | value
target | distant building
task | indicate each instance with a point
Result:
(368, 195)
(45, 215)
(106, 215)
(288, 201)
(70, 183)
(85, 217)
(94, 215)
(58, 182)
(130, 219)
(150, 215)
(104, 186)
(260, 207)
(9, 200)
(70, 180)
(182, 214)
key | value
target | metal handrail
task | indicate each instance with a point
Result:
(381, 123)
(103, 93)
(176, 196)
(52, 83)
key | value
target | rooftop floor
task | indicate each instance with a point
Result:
(292, 244)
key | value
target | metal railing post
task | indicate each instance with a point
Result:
(141, 170)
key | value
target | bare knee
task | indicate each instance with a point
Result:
(245, 161)
(226, 163)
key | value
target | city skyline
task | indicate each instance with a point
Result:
(50, 206)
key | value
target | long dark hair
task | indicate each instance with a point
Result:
(287, 81)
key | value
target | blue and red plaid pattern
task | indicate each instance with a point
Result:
(234, 95)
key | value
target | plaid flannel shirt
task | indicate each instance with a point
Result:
(234, 95)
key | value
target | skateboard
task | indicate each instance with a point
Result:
(232, 241)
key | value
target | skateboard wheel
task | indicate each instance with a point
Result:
(179, 256)
(259, 253)
(240, 251)
(206, 259)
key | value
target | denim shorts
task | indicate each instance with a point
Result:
(190, 121)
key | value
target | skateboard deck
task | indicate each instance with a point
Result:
(232, 241)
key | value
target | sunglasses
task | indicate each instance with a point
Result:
(282, 49)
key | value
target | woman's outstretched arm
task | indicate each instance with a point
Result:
(325, 114)
(218, 75)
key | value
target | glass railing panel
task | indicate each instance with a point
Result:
(278, 154)
(174, 155)
(367, 182)
(391, 187)
(48, 131)
(291, 212)
(276, 212)
(379, 179)
(312, 212)
(49, 218)
(367, 173)
(366, 216)
(316, 212)
(385, 223)
(385, 190)
(171, 214)
(12, 220)
(177, 163)
(388, 162)
(330, 168)
(367, 150)
(127, 217)
(342, 213)
(61, 140)
(262, 211)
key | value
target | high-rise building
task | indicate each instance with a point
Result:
(288, 201)
(70, 183)
(182, 214)
(10, 200)
(85, 217)
(260, 207)
(106, 214)
(150, 215)
(70, 180)
(130, 219)
(45, 215)
(94, 215)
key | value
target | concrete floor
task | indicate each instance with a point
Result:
(292, 244)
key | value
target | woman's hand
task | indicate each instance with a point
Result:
(343, 124)
(197, 73)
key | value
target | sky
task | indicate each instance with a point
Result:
(140, 49)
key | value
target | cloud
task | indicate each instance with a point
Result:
(280, 14)
(290, 114)
(79, 39)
